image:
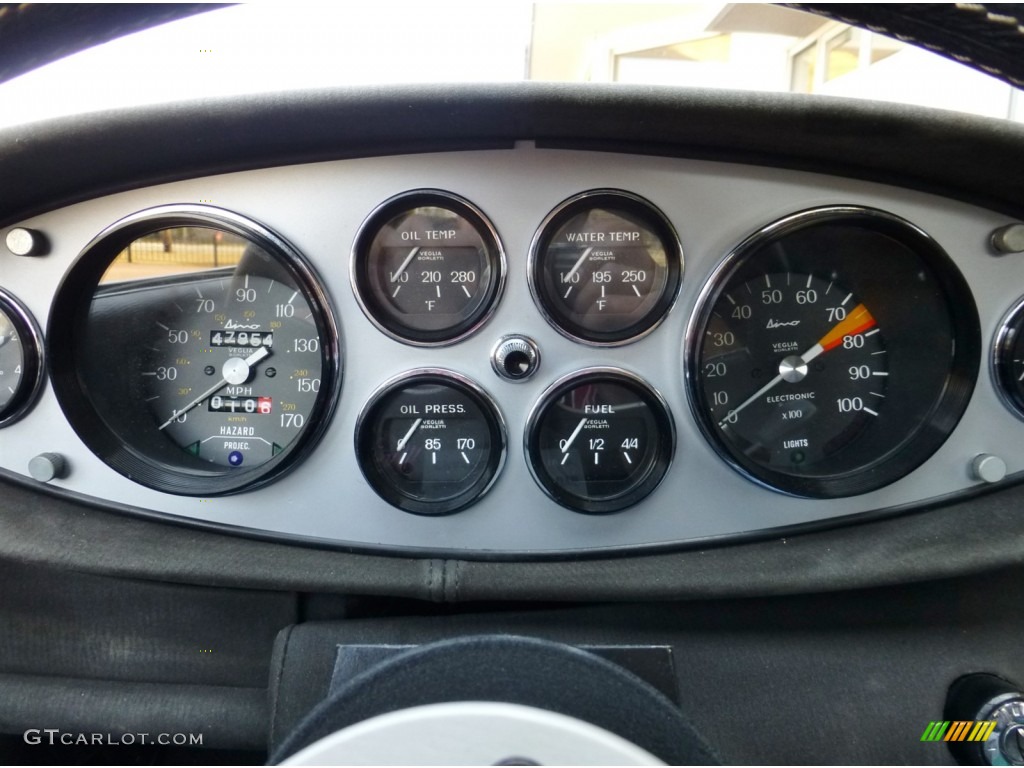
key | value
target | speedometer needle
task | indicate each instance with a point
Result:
(235, 371)
(858, 321)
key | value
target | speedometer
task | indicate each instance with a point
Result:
(834, 352)
(204, 360)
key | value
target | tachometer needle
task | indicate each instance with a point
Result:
(235, 371)
(575, 434)
(412, 429)
(858, 321)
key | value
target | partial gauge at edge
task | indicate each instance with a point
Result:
(605, 267)
(194, 351)
(430, 441)
(1008, 359)
(21, 359)
(599, 440)
(833, 352)
(427, 268)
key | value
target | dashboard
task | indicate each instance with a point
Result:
(905, 409)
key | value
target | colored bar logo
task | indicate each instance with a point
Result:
(959, 730)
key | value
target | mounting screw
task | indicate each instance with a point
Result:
(47, 466)
(22, 241)
(1008, 239)
(988, 468)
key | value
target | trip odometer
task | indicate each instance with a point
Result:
(204, 360)
(834, 352)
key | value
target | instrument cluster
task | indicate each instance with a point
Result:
(206, 351)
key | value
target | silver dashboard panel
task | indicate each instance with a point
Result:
(713, 206)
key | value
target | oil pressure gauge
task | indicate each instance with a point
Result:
(430, 442)
(599, 440)
(428, 268)
(605, 267)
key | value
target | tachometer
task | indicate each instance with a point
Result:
(834, 352)
(205, 359)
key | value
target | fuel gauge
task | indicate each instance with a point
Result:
(599, 440)
(430, 442)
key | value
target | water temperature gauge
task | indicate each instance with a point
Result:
(430, 442)
(599, 440)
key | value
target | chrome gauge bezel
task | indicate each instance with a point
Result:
(1010, 326)
(66, 330)
(382, 486)
(595, 198)
(944, 413)
(34, 368)
(379, 315)
(644, 486)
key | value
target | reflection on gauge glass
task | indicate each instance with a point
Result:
(427, 267)
(21, 367)
(599, 440)
(207, 357)
(605, 267)
(1008, 359)
(430, 442)
(834, 352)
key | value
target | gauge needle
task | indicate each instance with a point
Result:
(575, 434)
(577, 265)
(235, 371)
(408, 259)
(858, 321)
(412, 430)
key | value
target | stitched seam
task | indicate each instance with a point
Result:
(277, 680)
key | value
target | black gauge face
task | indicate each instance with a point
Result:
(1008, 360)
(430, 442)
(599, 441)
(205, 361)
(605, 267)
(835, 353)
(20, 360)
(427, 268)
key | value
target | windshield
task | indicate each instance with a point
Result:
(273, 47)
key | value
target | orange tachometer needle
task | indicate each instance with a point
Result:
(858, 321)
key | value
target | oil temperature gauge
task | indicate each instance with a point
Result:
(430, 442)
(427, 268)
(599, 440)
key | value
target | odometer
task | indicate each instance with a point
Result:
(204, 360)
(834, 352)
